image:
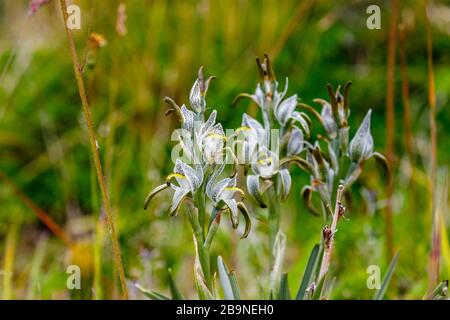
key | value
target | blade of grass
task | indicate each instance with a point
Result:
(433, 267)
(95, 153)
(176, 294)
(35, 274)
(317, 295)
(285, 293)
(311, 266)
(151, 294)
(390, 124)
(40, 214)
(234, 285)
(379, 294)
(8, 264)
(408, 134)
(225, 279)
(445, 248)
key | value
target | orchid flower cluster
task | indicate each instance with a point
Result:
(270, 147)
(327, 168)
(196, 177)
(265, 150)
(269, 173)
(281, 135)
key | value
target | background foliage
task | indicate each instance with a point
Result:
(46, 168)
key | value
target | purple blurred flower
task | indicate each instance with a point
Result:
(35, 5)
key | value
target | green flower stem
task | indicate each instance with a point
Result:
(200, 202)
(273, 219)
(202, 249)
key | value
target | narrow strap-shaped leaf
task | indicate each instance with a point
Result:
(151, 294)
(204, 292)
(329, 289)
(309, 272)
(379, 294)
(278, 252)
(213, 226)
(225, 279)
(234, 285)
(285, 293)
(318, 292)
(176, 294)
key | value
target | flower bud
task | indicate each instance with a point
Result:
(361, 146)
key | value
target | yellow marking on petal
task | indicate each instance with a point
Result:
(235, 189)
(265, 160)
(243, 129)
(175, 175)
(216, 135)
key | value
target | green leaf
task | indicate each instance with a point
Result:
(234, 285)
(176, 294)
(379, 294)
(318, 291)
(278, 252)
(285, 293)
(308, 276)
(225, 280)
(151, 294)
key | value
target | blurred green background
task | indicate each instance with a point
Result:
(46, 168)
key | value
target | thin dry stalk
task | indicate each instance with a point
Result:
(302, 10)
(436, 236)
(408, 138)
(95, 153)
(390, 124)
(40, 214)
(408, 135)
(329, 233)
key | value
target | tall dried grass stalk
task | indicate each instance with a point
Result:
(407, 128)
(435, 235)
(390, 124)
(44, 217)
(95, 153)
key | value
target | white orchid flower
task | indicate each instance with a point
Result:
(211, 139)
(222, 194)
(266, 164)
